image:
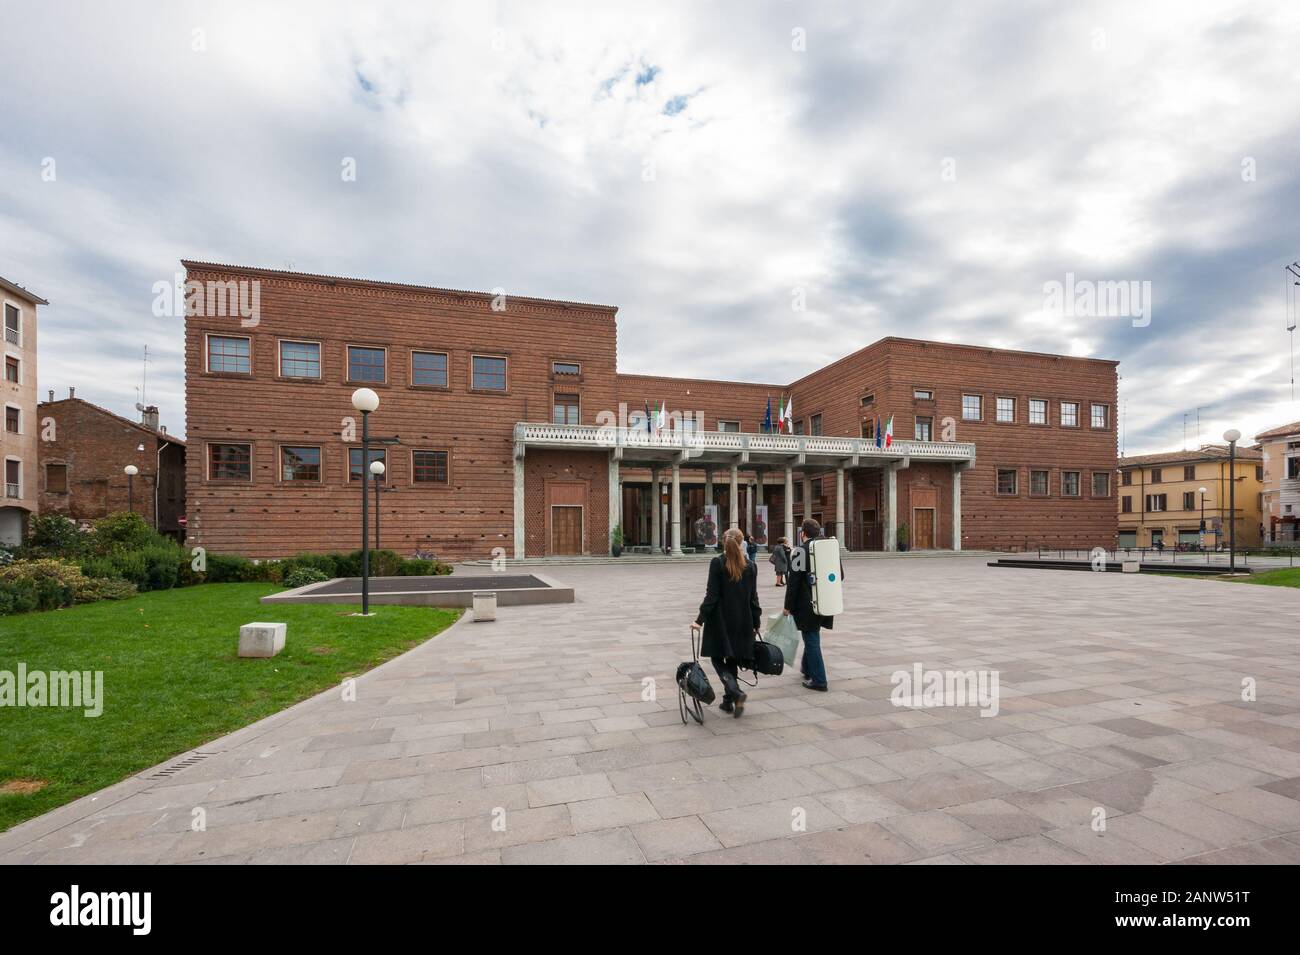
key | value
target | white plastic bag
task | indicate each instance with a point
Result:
(781, 632)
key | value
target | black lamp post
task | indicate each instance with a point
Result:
(1203, 491)
(1232, 436)
(365, 401)
(131, 471)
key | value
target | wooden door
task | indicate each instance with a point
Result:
(923, 529)
(566, 529)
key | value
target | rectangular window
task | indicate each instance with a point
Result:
(866, 401)
(1156, 475)
(13, 479)
(1101, 484)
(923, 394)
(489, 374)
(230, 356)
(1126, 478)
(1006, 409)
(1099, 416)
(1038, 483)
(866, 429)
(367, 364)
(972, 407)
(1292, 468)
(56, 478)
(1038, 411)
(1189, 472)
(566, 368)
(924, 429)
(1007, 480)
(299, 360)
(1069, 483)
(230, 462)
(1126, 504)
(11, 370)
(1156, 502)
(300, 464)
(730, 426)
(1189, 500)
(798, 426)
(354, 463)
(816, 424)
(1259, 474)
(565, 410)
(12, 420)
(13, 324)
(429, 467)
(1069, 414)
(429, 369)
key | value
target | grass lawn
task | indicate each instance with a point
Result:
(1282, 577)
(172, 680)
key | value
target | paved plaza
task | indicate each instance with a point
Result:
(527, 740)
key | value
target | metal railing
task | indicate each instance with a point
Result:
(1174, 556)
(598, 436)
(12, 490)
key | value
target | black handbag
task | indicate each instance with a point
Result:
(768, 658)
(693, 687)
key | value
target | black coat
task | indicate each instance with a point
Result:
(798, 594)
(730, 612)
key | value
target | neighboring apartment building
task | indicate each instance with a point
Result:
(510, 431)
(19, 437)
(1162, 498)
(83, 466)
(1281, 449)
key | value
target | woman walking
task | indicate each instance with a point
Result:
(731, 616)
(780, 560)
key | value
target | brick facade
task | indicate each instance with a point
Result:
(251, 403)
(81, 468)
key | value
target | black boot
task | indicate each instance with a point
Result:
(737, 697)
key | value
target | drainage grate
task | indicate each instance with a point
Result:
(181, 764)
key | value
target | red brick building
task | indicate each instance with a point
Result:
(84, 451)
(510, 431)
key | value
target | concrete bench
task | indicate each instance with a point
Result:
(261, 639)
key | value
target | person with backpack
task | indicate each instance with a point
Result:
(799, 604)
(731, 617)
(780, 560)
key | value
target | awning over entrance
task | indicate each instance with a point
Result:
(678, 449)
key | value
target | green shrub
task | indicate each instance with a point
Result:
(417, 567)
(232, 569)
(47, 583)
(53, 535)
(123, 530)
(302, 576)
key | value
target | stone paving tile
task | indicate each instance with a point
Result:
(530, 741)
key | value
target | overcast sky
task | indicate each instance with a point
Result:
(910, 168)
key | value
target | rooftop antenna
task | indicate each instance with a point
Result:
(142, 391)
(1289, 275)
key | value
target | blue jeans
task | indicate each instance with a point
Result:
(813, 666)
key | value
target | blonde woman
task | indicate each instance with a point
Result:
(731, 617)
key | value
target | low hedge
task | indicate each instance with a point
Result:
(49, 583)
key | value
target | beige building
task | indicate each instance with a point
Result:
(1281, 448)
(21, 427)
(1163, 498)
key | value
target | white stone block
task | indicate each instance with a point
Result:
(485, 606)
(1131, 567)
(261, 639)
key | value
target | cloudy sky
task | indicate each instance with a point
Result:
(909, 168)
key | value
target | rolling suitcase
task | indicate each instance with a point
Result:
(824, 570)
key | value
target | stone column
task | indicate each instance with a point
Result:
(520, 531)
(956, 506)
(734, 503)
(789, 504)
(615, 496)
(708, 486)
(656, 536)
(889, 532)
(852, 511)
(675, 510)
(807, 495)
(758, 501)
(839, 507)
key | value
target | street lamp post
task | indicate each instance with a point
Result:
(365, 401)
(1203, 492)
(377, 469)
(1232, 436)
(131, 471)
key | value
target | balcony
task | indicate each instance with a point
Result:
(13, 490)
(726, 447)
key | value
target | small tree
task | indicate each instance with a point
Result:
(53, 535)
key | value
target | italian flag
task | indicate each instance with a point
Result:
(889, 431)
